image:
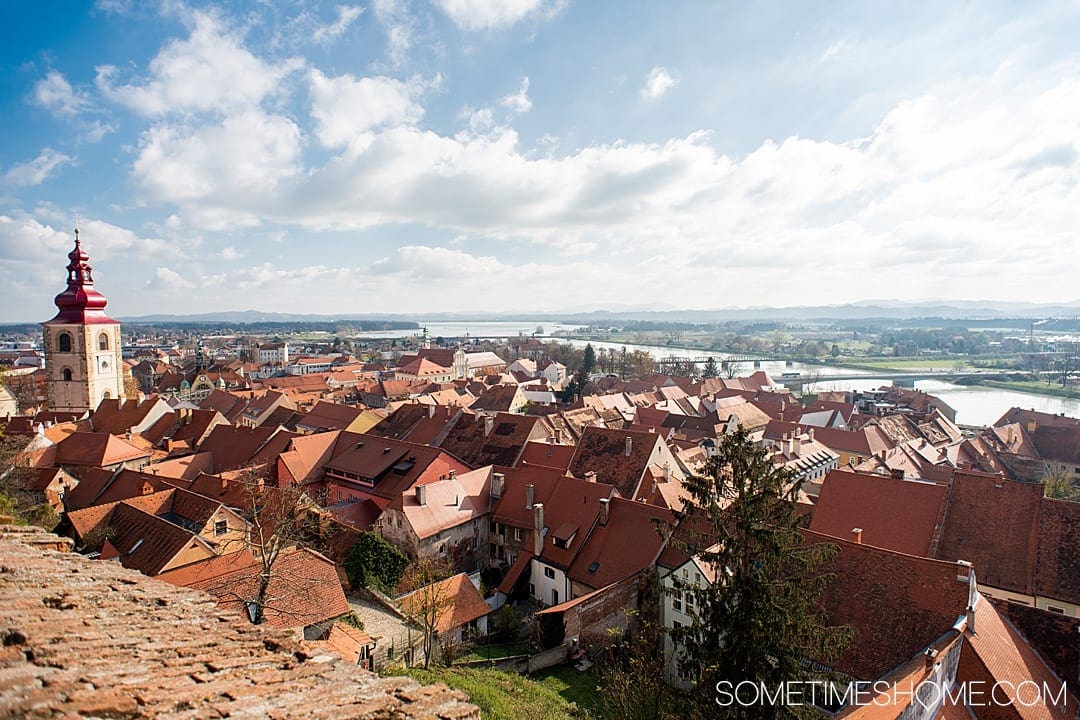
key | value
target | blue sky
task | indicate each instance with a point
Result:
(541, 155)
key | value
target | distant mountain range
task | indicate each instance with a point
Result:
(895, 309)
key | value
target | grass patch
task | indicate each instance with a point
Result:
(495, 652)
(509, 696)
(573, 686)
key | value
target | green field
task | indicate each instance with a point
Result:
(561, 693)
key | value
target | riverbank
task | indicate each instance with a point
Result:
(1031, 387)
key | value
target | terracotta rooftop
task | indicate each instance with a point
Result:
(461, 602)
(1057, 564)
(478, 440)
(542, 454)
(900, 515)
(304, 586)
(897, 604)
(605, 452)
(96, 449)
(992, 523)
(95, 640)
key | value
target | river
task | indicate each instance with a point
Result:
(974, 405)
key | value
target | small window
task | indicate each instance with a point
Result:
(220, 527)
(103, 341)
(517, 534)
(67, 374)
(532, 589)
(554, 596)
(676, 601)
(549, 573)
(1059, 611)
(63, 343)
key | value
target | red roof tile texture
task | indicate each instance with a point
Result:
(900, 515)
(85, 639)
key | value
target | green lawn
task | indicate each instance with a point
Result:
(494, 652)
(509, 696)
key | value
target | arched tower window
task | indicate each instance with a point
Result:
(63, 343)
(103, 341)
(67, 374)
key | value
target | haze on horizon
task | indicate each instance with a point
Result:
(482, 155)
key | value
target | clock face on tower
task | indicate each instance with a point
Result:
(104, 365)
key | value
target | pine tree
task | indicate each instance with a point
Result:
(760, 619)
(711, 369)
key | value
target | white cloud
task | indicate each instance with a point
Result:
(36, 171)
(344, 108)
(346, 16)
(399, 25)
(478, 119)
(171, 279)
(210, 70)
(657, 82)
(54, 93)
(518, 102)
(425, 262)
(228, 168)
(492, 14)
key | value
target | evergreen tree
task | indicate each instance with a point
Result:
(760, 619)
(581, 377)
(711, 369)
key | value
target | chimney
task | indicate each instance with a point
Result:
(629, 445)
(605, 511)
(498, 482)
(538, 529)
(971, 619)
(790, 446)
(590, 476)
(453, 473)
(810, 434)
(667, 472)
(530, 496)
(558, 436)
(931, 658)
(421, 494)
(431, 411)
(856, 535)
(489, 424)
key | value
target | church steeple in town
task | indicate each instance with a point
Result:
(82, 343)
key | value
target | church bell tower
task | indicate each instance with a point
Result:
(82, 343)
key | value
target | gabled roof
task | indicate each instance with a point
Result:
(448, 503)
(96, 449)
(498, 398)
(423, 424)
(329, 416)
(1001, 658)
(234, 447)
(899, 515)
(510, 508)
(458, 599)
(118, 416)
(542, 454)
(304, 586)
(628, 543)
(499, 440)
(604, 452)
(195, 425)
(393, 465)
(574, 508)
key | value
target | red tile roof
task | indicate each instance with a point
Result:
(603, 451)
(1057, 564)
(628, 543)
(97, 450)
(900, 515)
(991, 522)
(304, 586)
(483, 440)
(542, 454)
(897, 604)
(458, 599)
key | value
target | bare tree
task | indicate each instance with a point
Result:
(428, 600)
(281, 520)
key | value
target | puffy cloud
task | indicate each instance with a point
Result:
(54, 93)
(171, 279)
(36, 171)
(399, 25)
(230, 168)
(492, 14)
(346, 16)
(657, 82)
(210, 70)
(518, 102)
(344, 108)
